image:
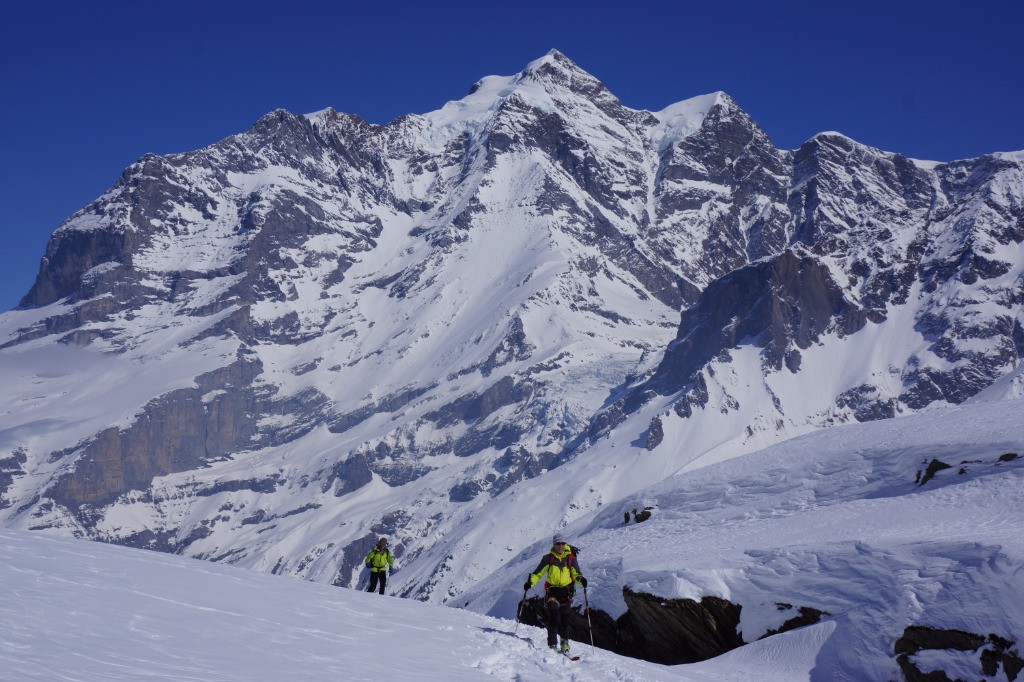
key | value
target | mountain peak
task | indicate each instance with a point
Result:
(695, 107)
(682, 119)
(554, 71)
(553, 59)
(542, 82)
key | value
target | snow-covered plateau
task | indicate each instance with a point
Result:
(527, 312)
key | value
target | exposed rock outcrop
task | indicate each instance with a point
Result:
(995, 653)
(666, 631)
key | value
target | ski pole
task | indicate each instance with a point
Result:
(590, 627)
(519, 612)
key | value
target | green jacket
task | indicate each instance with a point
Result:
(560, 567)
(379, 561)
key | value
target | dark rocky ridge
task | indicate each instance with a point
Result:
(665, 631)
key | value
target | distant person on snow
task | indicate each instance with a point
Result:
(562, 570)
(378, 560)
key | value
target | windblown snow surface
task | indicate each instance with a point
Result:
(833, 520)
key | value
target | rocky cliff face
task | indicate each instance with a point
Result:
(869, 234)
(273, 349)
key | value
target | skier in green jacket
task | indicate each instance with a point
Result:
(562, 571)
(378, 560)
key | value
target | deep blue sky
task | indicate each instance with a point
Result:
(88, 87)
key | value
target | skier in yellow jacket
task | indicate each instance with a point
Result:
(562, 571)
(378, 560)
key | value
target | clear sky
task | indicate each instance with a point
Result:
(89, 87)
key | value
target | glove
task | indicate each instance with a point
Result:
(583, 581)
(527, 586)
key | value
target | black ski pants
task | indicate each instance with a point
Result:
(376, 576)
(557, 604)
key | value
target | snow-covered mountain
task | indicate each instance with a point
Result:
(467, 328)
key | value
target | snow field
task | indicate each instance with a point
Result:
(74, 610)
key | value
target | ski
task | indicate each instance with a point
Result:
(566, 654)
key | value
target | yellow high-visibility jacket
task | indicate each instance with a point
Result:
(560, 567)
(379, 561)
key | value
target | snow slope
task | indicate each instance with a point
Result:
(74, 610)
(834, 521)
